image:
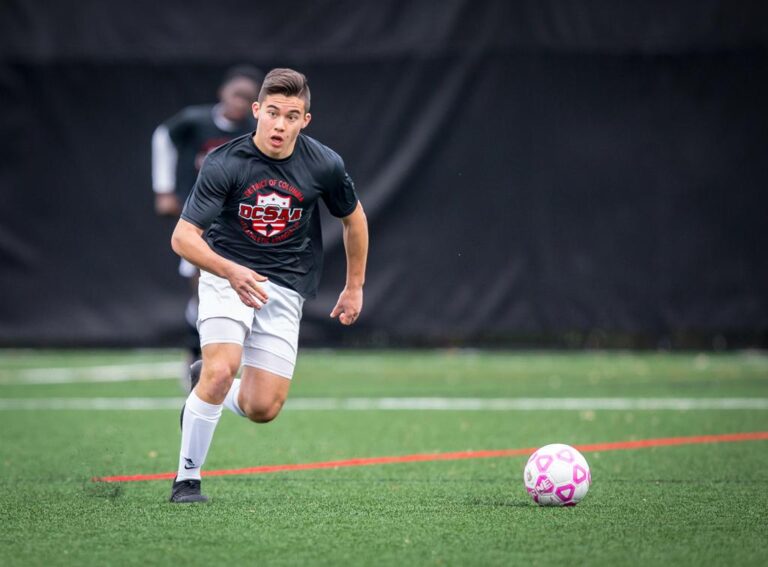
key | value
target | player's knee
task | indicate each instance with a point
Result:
(218, 375)
(263, 411)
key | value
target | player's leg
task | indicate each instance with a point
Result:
(221, 362)
(201, 415)
(263, 388)
(224, 324)
(269, 357)
(192, 274)
(262, 394)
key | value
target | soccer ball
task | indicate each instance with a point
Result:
(557, 475)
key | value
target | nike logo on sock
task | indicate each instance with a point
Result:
(190, 464)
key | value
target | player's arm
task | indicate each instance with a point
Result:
(164, 159)
(350, 302)
(201, 209)
(188, 242)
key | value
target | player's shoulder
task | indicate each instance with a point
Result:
(236, 147)
(194, 114)
(319, 156)
(233, 150)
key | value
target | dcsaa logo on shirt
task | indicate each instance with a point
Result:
(271, 213)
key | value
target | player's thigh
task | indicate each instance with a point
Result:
(269, 355)
(221, 339)
(262, 393)
(221, 359)
(223, 322)
(272, 344)
(219, 300)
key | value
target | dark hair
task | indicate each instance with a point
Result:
(246, 71)
(286, 82)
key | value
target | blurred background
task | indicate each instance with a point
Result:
(535, 173)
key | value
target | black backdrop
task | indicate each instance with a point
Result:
(562, 172)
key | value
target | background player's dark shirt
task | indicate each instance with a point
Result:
(194, 133)
(262, 213)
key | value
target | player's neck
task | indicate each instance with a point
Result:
(281, 154)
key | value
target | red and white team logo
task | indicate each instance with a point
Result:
(271, 213)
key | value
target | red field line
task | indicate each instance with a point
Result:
(595, 447)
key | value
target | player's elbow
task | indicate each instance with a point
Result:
(177, 240)
(360, 212)
(185, 237)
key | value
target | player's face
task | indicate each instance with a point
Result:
(236, 97)
(281, 119)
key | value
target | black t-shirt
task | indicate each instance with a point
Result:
(262, 212)
(194, 133)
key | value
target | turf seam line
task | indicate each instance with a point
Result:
(452, 456)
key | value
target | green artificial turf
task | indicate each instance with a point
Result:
(689, 505)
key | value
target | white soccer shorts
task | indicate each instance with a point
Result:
(269, 336)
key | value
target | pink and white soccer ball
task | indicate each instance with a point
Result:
(557, 475)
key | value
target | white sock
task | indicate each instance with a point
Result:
(200, 419)
(230, 402)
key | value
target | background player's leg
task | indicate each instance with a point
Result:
(190, 316)
(202, 411)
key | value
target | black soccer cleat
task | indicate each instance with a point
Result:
(186, 492)
(194, 377)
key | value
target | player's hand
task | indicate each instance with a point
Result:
(246, 283)
(167, 205)
(349, 305)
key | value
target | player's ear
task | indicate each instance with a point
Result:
(255, 108)
(307, 120)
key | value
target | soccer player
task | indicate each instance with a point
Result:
(179, 146)
(251, 225)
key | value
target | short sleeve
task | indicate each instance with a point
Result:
(208, 195)
(339, 195)
(179, 127)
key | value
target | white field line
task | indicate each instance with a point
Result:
(525, 404)
(105, 373)
(81, 404)
(410, 404)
